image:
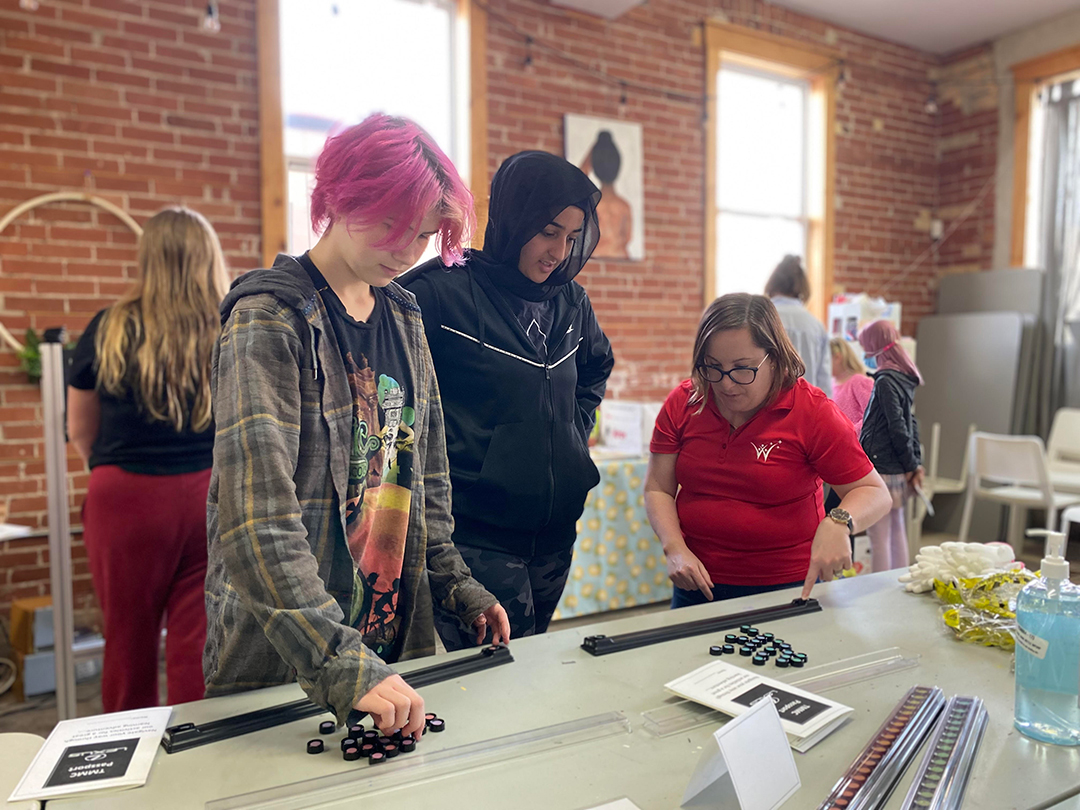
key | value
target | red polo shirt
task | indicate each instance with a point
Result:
(750, 500)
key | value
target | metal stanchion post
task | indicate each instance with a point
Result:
(53, 387)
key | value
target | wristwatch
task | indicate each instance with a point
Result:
(843, 516)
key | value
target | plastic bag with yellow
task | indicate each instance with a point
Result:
(982, 609)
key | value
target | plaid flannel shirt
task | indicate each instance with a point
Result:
(280, 583)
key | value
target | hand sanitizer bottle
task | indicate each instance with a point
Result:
(1048, 651)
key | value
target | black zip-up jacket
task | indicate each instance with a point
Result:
(517, 425)
(890, 432)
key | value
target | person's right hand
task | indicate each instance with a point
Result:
(686, 571)
(393, 705)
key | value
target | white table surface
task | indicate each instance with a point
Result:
(552, 680)
(17, 750)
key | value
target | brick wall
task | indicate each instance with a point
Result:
(887, 165)
(134, 102)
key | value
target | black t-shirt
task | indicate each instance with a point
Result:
(380, 460)
(130, 438)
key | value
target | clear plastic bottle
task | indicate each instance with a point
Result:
(1048, 651)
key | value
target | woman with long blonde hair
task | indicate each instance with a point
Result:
(139, 413)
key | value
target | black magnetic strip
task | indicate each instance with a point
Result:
(602, 645)
(189, 735)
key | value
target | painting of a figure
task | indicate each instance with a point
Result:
(610, 152)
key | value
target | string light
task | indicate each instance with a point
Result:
(29, 5)
(210, 21)
(931, 105)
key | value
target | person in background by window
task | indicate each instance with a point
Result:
(523, 365)
(737, 459)
(851, 384)
(139, 412)
(890, 437)
(329, 510)
(789, 289)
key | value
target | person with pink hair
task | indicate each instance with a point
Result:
(890, 437)
(329, 507)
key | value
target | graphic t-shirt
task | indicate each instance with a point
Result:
(380, 461)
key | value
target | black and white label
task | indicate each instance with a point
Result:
(89, 763)
(1031, 643)
(793, 708)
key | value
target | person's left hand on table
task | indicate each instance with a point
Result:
(830, 554)
(495, 618)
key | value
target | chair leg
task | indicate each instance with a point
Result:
(1017, 524)
(965, 518)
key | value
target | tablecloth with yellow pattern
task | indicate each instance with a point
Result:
(618, 561)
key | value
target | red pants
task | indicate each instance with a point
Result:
(145, 536)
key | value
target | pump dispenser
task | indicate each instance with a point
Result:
(1048, 650)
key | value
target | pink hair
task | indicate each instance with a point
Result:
(881, 340)
(387, 167)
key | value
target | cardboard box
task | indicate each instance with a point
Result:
(31, 624)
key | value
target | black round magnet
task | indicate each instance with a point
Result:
(797, 662)
(746, 651)
(728, 649)
(741, 639)
(391, 750)
(377, 758)
(430, 716)
(768, 636)
(351, 754)
(731, 638)
(408, 745)
(315, 746)
(371, 736)
(327, 727)
(751, 631)
(783, 662)
(367, 749)
(356, 731)
(437, 725)
(716, 649)
(349, 742)
(384, 741)
(745, 628)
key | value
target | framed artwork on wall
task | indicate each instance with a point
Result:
(610, 152)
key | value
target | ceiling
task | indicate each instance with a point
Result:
(937, 26)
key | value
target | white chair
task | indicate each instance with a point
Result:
(1063, 450)
(1011, 470)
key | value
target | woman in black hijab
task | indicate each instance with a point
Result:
(522, 365)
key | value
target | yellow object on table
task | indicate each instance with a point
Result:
(982, 609)
(618, 561)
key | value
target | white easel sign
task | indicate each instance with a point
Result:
(752, 767)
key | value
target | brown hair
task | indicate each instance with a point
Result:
(789, 280)
(839, 347)
(157, 340)
(756, 313)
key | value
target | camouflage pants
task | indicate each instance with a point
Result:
(529, 590)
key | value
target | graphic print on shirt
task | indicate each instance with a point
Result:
(377, 500)
(763, 450)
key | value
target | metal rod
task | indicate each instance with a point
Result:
(188, 735)
(603, 645)
(1054, 801)
(53, 408)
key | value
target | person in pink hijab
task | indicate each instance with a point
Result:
(890, 437)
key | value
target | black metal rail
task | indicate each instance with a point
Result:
(602, 645)
(189, 735)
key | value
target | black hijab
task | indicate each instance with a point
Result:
(528, 191)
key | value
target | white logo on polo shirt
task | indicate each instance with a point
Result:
(764, 450)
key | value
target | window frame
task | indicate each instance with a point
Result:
(746, 48)
(1029, 79)
(273, 169)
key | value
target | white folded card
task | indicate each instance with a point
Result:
(103, 752)
(806, 718)
(752, 760)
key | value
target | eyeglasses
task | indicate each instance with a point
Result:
(741, 375)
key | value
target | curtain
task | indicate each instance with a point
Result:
(1059, 366)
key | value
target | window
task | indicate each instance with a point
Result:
(1034, 81)
(761, 184)
(328, 62)
(769, 182)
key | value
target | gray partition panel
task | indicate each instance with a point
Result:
(970, 365)
(1017, 290)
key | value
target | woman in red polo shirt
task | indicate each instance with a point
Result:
(739, 453)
